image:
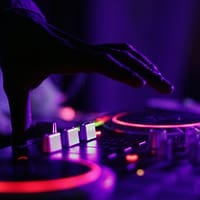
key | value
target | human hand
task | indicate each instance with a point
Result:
(37, 50)
(134, 68)
(121, 62)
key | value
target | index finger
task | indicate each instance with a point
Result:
(153, 78)
(137, 54)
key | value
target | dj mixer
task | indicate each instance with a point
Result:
(153, 154)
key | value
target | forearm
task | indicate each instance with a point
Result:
(20, 111)
(20, 4)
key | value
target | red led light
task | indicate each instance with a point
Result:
(132, 157)
(22, 158)
(116, 120)
(38, 186)
(98, 133)
(103, 119)
(118, 130)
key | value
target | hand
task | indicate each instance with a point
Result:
(134, 68)
(34, 50)
(121, 62)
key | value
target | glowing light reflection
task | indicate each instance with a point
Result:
(22, 158)
(38, 186)
(92, 143)
(57, 156)
(73, 157)
(116, 120)
(67, 113)
(98, 133)
(92, 154)
(101, 120)
(108, 182)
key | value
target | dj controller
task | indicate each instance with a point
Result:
(153, 154)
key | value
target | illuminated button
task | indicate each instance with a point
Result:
(22, 158)
(140, 172)
(87, 132)
(112, 156)
(143, 143)
(70, 137)
(127, 149)
(52, 141)
(132, 157)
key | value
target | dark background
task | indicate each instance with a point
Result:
(165, 31)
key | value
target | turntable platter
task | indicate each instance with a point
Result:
(153, 119)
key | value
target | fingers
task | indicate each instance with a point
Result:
(139, 64)
(76, 61)
(115, 64)
(121, 62)
(153, 78)
(129, 48)
(107, 65)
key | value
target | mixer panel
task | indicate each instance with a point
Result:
(147, 155)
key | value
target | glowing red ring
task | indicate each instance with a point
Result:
(38, 186)
(116, 120)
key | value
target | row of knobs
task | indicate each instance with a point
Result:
(164, 145)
